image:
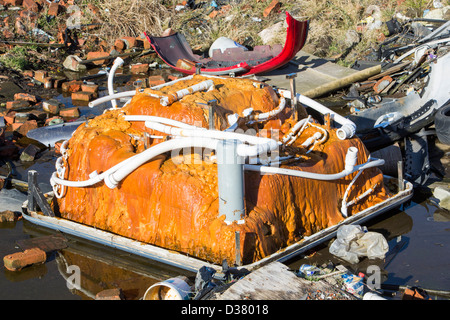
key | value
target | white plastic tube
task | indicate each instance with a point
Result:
(160, 120)
(257, 145)
(113, 179)
(347, 129)
(117, 63)
(172, 97)
(271, 113)
(110, 97)
(300, 124)
(349, 168)
(129, 165)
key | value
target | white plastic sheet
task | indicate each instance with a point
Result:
(353, 242)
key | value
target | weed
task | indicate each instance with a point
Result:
(17, 58)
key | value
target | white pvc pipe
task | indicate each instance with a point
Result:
(349, 168)
(131, 162)
(160, 120)
(117, 63)
(172, 97)
(301, 123)
(113, 179)
(271, 113)
(258, 144)
(114, 96)
(347, 129)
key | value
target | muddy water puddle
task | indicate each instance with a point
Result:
(417, 234)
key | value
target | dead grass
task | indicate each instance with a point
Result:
(131, 17)
(331, 22)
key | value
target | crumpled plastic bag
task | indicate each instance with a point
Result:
(353, 242)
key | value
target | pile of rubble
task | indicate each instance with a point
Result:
(63, 65)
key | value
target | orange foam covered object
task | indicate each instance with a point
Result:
(172, 201)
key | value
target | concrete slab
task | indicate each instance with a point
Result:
(311, 71)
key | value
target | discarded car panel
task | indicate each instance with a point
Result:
(176, 52)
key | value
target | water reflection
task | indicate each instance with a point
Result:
(104, 268)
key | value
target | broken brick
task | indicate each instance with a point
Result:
(13, 2)
(19, 260)
(9, 117)
(82, 96)
(27, 126)
(39, 75)
(30, 5)
(119, 45)
(25, 97)
(109, 294)
(155, 80)
(272, 8)
(130, 42)
(28, 15)
(48, 82)
(97, 55)
(16, 126)
(51, 106)
(139, 68)
(54, 9)
(70, 112)
(28, 73)
(17, 105)
(92, 88)
(213, 14)
(8, 34)
(71, 86)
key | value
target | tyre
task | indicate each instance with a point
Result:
(442, 123)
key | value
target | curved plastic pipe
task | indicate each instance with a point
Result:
(258, 144)
(347, 129)
(271, 113)
(176, 128)
(295, 128)
(129, 165)
(175, 96)
(117, 63)
(112, 180)
(349, 168)
(114, 96)
(167, 121)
